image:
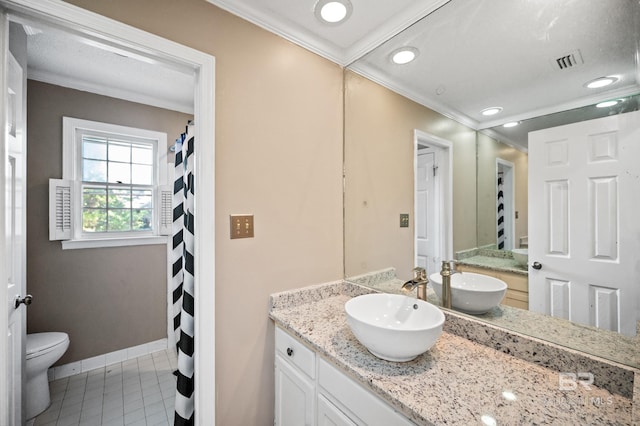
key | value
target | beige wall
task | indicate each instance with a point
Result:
(488, 150)
(106, 299)
(379, 144)
(278, 156)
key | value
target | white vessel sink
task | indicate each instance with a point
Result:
(521, 256)
(471, 293)
(394, 327)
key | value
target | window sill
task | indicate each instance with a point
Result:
(114, 242)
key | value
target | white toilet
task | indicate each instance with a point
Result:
(43, 349)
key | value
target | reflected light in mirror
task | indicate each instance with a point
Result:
(607, 104)
(404, 55)
(511, 124)
(491, 110)
(601, 82)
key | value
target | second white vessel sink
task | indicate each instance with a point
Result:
(471, 293)
(394, 327)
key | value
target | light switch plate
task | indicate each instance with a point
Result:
(404, 220)
(241, 226)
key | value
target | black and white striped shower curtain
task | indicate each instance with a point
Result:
(183, 280)
(500, 213)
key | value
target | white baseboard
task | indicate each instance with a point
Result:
(100, 361)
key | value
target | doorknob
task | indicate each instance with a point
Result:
(536, 265)
(26, 300)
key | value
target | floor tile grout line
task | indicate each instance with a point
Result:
(149, 373)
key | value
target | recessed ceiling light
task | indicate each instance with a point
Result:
(333, 11)
(601, 82)
(404, 55)
(511, 124)
(491, 111)
(607, 104)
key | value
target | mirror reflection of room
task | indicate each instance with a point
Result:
(482, 95)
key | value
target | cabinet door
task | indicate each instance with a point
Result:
(294, 396)
(330, 415)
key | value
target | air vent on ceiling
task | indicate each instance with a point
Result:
(570, 60)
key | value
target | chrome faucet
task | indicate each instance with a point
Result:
(419, 281)
(446, 272)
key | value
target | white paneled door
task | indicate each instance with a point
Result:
(427, 222)
(14, 183)
(584, 231)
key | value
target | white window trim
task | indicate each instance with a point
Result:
(114, 242)
(70, 172)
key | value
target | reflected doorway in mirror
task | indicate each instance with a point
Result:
(583, 225)
(433, 239)
(505, 211)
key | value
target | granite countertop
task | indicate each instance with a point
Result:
(501, 264)
(491, 258)
(456, 382)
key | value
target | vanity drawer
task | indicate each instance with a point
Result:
(359, 404)
(295, 352)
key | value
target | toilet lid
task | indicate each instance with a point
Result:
(41, 342)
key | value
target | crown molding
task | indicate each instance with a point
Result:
(323, 47)
(110, 91)
(422, 100)
(622, 92)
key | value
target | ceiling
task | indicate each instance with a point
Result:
(485, 53)
(65, 59)
(371, 23)
(473, 54)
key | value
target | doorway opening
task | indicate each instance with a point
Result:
(433, 200)
(505, 205)
(124, 38)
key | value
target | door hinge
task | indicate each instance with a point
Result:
(435, 170)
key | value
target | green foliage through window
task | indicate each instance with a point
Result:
(117, 188)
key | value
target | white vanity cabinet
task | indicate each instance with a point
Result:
(311, 391)
(295, 368)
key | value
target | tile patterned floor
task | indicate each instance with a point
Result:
(138, 391)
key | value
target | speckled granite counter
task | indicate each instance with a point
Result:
(502, 264)
(456, 382)
(495, 260)
(602, 343)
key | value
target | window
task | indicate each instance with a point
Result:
(113, 190)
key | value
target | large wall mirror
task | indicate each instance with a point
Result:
(532, 62)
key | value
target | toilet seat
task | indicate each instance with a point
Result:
(42, 343)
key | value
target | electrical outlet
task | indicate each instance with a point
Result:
(404, 220)
(241, 226)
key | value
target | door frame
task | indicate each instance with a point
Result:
(445, 190)
(93, 25)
